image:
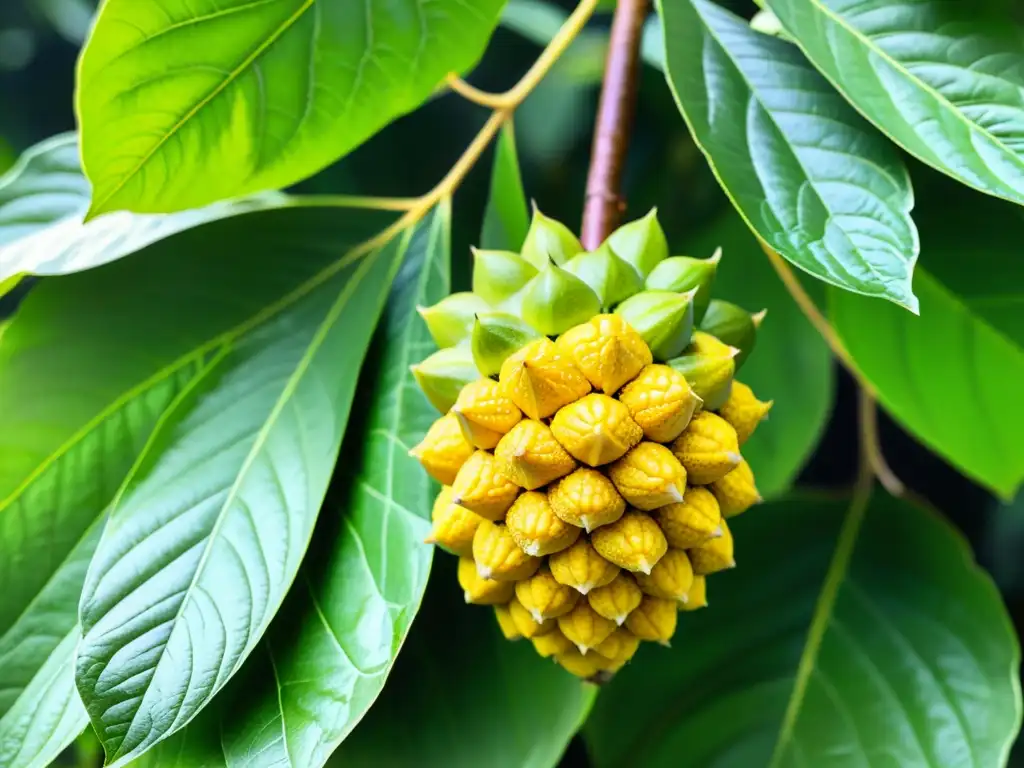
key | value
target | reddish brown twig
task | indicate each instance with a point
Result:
(604, 205)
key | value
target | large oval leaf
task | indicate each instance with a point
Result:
(184, 102)
(808, 175)
(506, 219)
(910, 661)
(43, 201)
(943, 78)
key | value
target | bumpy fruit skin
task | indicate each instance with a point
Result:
(496, 337)
(744, 411)
(596, 429)
(540, 380)
(530, 455)
(692, 521)
(649, 476)
(616, 600)
(584, 627)
(453, 526)
(544, 597)
(633, 542)
(485, 412)
(497, 555)
(551, 643)
(607, 350)
(536, 528)
(582, 568)
(708, 450)
(714, 555)
(583, 665)
(709, 367)
(481, 591)
(697, 597)
(655, 619)
(481, 487)
(505, 623)
(736, 491)
(587, 499)
(443, 375)
(443, 450)
(671, 578)
(526, 624)
(660, 402)
(620, 646)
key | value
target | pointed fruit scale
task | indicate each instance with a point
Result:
(620, 646)
(443, 450)
(671, 578)
(607, 350)
(709, 367)
(581, 567)
(640, 243)
(736, 492)
(682, 274)
(530, 456)
(664, 320)
(615, 601)
(744, 411)
(731, 325)
(450, 321)
(649, 476)
(584, 627)
(556, 300)
(697, 597)
(708, 449)
(536, 528)
(453, 526)
(661, 402)
(481, 487)
(596, 429)
(485, 412)
(582, 665)
(497, 555)
(714, 555)
(634, 542)
(505, 623)
(587, 499)
(608, 276)
(525, 622)
(654, 619)
(443, 375)
(540, 380)
(498, 275)
(496, 336)
(481, 591)
(544, 597)
(549, 240)
(551, 643)
(691, 522)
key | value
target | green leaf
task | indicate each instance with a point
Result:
(43, 200)
(182, 103)
(948, 377)
(807, 174)
(790, 363)
(463, 695)
(904, 656)
(506, 219)
(942, 78)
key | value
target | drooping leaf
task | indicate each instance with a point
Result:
(790, 365)
(916, 662)
(808, 175)
(506, 219)
(331, 646)
(463, 695)
(943, 78)
(43, 200)
(182, 103)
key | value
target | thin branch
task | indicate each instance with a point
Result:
(604, 205)
(871, 447)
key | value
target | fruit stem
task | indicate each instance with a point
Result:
(604, 205)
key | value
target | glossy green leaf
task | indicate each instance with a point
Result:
(43, 200)
(807, 174)
(506, 219)
(790, 365)
(462, 695)
(184, 102)
(911, 661)
(941, 77)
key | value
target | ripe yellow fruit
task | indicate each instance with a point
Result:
(654, 619)
(481, 487)
(540, 380)
(454, 526)
(581, 567)
(619, 648)
(505, 623)
(634, 542)
(714, 555)
(744, 411)
(708, 449)
(607, 350)
(498, 556)
(531, 456)
(661, 402)
(536, 528)
(544, 597)
(443, 450)
(582, 665)
(587, 499)
(736, 492)
(671, 578)
(649, 476)
(585, 627)
(551, 643)
(692, 521)
(526, 624)
(596, 429)
(615, 601)
(697, 597)
(485, 412)
(481, 591)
